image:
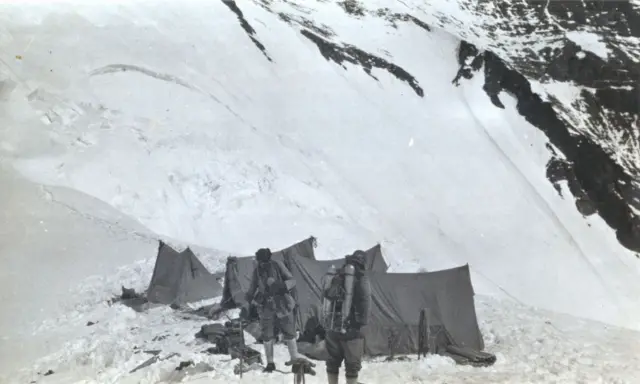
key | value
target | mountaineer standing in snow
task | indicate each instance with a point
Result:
(349, 293)
(270, 288)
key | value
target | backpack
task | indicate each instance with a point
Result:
(336, 291)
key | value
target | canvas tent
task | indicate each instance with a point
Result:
(179, 278)
(397, 300)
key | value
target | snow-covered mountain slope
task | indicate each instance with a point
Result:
(52, 238)
(239, 125)
(203, 132)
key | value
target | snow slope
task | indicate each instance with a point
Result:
(50, 239)
(62, 254)
(175, 117)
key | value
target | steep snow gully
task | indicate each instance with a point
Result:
(501, 134)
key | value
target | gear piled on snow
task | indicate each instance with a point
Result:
(228, 337)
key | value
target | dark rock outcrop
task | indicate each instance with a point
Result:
(594, 45)
(354, 55)
(231, 4)
(597, 182)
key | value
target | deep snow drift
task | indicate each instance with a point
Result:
(183, 119)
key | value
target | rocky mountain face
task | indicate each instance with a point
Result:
(597, 135)
(534, 50)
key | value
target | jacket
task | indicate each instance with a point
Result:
(270, 288)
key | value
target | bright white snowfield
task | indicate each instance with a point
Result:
(122, 124)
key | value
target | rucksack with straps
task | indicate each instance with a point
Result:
(336, 291)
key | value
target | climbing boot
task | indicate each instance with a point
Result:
(268, 351)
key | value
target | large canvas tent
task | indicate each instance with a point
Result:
(398, 299)
(397, 302)
(179, 278)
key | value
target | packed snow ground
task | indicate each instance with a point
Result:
(532, 346)
(203, 140)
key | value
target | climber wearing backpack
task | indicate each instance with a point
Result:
(346, 304)
(271, 283)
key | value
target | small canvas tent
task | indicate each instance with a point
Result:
(397, 301)
(179, 278)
